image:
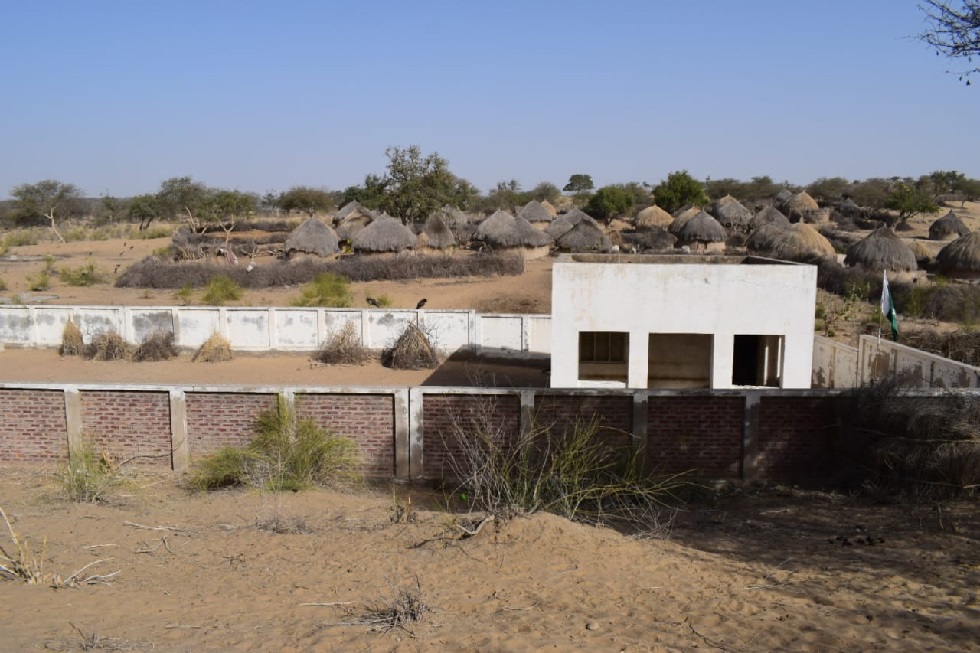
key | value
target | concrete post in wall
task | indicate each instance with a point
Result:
(180, 450)
(408, 425)
(73, 421)
(750, 435)
(641, 430)
(527, 412)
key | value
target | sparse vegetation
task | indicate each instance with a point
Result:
(88, 476)
(344, 348)
(158, 346)
(185, 294)
(109, 346)
(72, 343)
(326, 289)
(215, 349)
(39, 282)
(85, 275)
(412, 351)
(221, 289)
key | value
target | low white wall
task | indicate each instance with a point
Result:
(880, 358)
(835, 364)
(278, 328)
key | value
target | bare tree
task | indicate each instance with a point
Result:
(954, 31)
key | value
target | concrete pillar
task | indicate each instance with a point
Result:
(180, 449)
(408, 436)
(73, 421)
(416, 444)
(641, 432)
(638, 360)
(750, 436)
(527, 411)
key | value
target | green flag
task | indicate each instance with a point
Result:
(888, 307)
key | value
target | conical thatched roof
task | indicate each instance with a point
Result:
(768, 215)
(451, 216)
(385, 234)
(436, 233)
(881, 250)
(730, 213)
(802, 240)
(923, 255)
(702, 228)
(558, 227)
(948, 226)
(534, 211)
(798, 206)
(347, 209)
(312, 237)
(577, 215)
(681, 217)
(657, 239)
(504, 230)
(783, 196)
(765, 237)
(549, 207)
(962, 256)
(653, 217)
(583, 237)
(686, 211)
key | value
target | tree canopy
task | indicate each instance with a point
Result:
(579, 183)
(609, 202)
(305, 199)
(679, 189)
(954, 32)
(49, 198)
(415, 186)
(908, 199)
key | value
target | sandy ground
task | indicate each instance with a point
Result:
(781, 571)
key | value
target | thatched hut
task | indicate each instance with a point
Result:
(346, 210)
(436, 234)
(801, 241)
(849, 209)
(681, 216)
(354, 222)
(800, 207)
(504, 231)
(583, 237)
(764, 238)
(783, 196)
(558, 227)
(923, 255)
(312, 237)
(702, 233)
(881, 250)
(653, 217)
(731, 214)
(961, 258)
(385, 234)
(656, 239)
(768, 215)
(535, 212)
(947, 227)
(549, 207)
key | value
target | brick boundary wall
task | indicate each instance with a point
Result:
(130, 425)
(701, 434)
(223, 419)
(33, 426)
(368, 419)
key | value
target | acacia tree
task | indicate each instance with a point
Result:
(48, 198)
(223, 208)
(679, 189)
(183, 198)
(908, 199)
(579, 183)
(415, 186)
(610, 202)
(305, 199)
(954, 31)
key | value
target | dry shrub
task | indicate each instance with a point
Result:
(109, 346)
(343, 349)
(158, 346)
(402, 606)
(215, 349)
(71, 340)
(412, 351)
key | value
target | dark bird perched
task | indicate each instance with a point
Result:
(420, 304)
(373, 302)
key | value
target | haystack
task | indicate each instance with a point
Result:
(801, 241)
(800, 206)
(947, 227)
(385, 234)
(764, 238)
(961, 258)
(653, 217)
(731, 214)
(702, 233)
(881, 250)
(312, 237)
(535, 211)
(583, 237)
(768, 215)
(412, 351)
(436, 234)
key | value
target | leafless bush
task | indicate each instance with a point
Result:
(215, 349)
(400, 608)
(109, 346)
(412, 351)
(344, 348)
(158, 346)
(71, 340)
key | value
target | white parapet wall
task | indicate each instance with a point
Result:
(278, 328)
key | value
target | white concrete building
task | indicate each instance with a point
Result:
(640, 321)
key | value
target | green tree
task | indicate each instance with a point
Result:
(871, 193)
(506, 196)
(829, 189)
(145, 209)
(546, 191)
(968, 190)
(579, 183)
(909, 200)
(223, 208)
(369, 194)
(609, 202)
(679, 189)
(415, 186)
(954, 32)
(181, 198)
(306, 200)
(49, 198)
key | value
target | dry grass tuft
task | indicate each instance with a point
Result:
(71, 340)
(108, 346)
(157, 346)
(215, 349)
(412, 351)
(343, 349)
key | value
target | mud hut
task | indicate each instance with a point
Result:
(436, 234)
(702, 233)
(385, 234)
(731, 214)
(504, 231)
(583, 237)
(653, 217)
(800, 207)
(881, 250)
(802, 241)
(312, 237)
(948, 227)
(961, 258)
(535, 213)
(768, 215)
(764, 238)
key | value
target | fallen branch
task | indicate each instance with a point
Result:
(708, 641)
(327, 605)
(471, 533)
(172, 529)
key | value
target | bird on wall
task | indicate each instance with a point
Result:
(373, 302)
(421, 303)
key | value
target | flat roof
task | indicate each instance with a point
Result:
(672, 259)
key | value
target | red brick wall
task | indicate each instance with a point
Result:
(445, 416)
(563, 412)
(703, 434)
(367, 419)
(130, 425)
(216, 420)
(796, 437)
(33, 426)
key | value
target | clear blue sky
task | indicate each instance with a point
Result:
(116, 96)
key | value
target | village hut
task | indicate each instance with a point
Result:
(961, 258)
(731, 214)
(763, 239)
(504, 231)
(783, 196)
(947, 227)
(702, 233)
(800, 207)
(656, 239)
(681, 216)
(346, 210)
(312, 237)
(549, 207)
(849, 209)
(802, 241)
(923, 255)
(558, 227)
(768, 215)
(881, 250)
(653, 217)
(436, 234)
(583, 237)
(535, 212)
(354, 222)
(385, 234)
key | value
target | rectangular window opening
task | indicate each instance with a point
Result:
(679, 360)
(603, 356)
(757, 360)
